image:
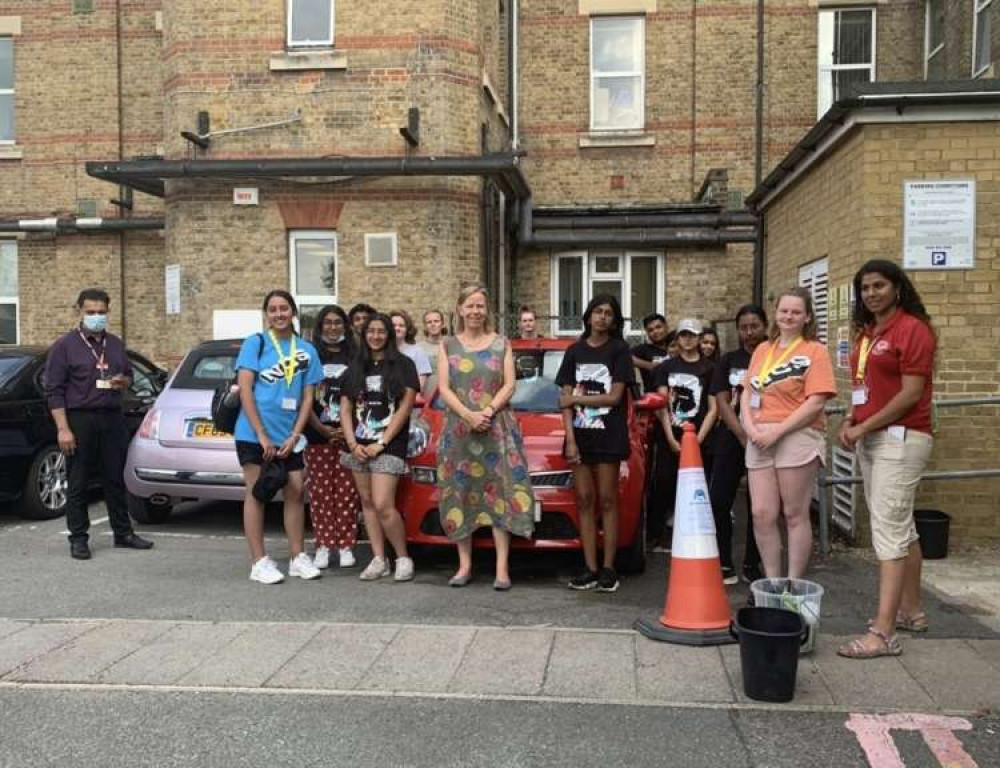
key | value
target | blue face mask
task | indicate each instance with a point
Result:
(95, 323)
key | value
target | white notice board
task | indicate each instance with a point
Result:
(236, 323)
(939, 224)
(172, 288)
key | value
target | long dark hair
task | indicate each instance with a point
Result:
(346, 345)
(617, 329)
(907, 297)
(281, 294)
(393, 362)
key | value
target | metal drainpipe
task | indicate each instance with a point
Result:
(758, 254)
(515, 10)
(121, 156)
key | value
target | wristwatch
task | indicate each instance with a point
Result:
(381, 441)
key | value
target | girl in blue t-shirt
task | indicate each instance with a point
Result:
(277, 371)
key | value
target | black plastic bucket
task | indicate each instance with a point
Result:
(769, 651)
(932, 527)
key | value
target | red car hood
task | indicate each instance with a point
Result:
(543, 440)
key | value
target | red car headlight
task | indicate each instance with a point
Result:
(150, 427)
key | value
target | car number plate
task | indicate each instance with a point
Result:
(203, 429)
(538, 511)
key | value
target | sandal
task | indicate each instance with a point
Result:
(916, 622)
(856, 648)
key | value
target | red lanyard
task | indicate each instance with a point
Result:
(101, 366)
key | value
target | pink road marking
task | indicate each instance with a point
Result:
(873, 734)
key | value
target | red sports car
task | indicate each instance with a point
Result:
(535, 403)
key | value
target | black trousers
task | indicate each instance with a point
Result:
(730, 466)
(101, 448)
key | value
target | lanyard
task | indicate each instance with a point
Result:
(767, 369)
(100, 360)
(864, 349)
(287, 363)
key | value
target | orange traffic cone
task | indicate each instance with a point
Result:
(696, 611)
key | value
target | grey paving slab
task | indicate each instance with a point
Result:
(10, 626)
(592, 665)
(253, 656)
(668, 672)
(171, 655)
(419, 659)
(953, 673)
(83, 658)
(988, 649)
(336, 658)
(810, 687)
(37, 640)
(510, 661)
(882, 682)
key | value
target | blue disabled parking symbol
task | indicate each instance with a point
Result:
(939, 258)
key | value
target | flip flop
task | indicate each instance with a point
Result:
(856, 648)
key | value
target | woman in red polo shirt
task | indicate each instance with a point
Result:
(889, 427)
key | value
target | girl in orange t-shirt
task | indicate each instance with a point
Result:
(790, 379)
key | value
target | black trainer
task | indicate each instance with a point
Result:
(585, 580)
(751, 573)
(729, 575)
(607, 580)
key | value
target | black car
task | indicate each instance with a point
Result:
(31, 467)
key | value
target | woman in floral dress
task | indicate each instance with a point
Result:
(482, 472)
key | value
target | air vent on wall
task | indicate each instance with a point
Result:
(86, 208)
(381, 250)
(83, 6)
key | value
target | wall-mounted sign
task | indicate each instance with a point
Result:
(939, 224)
(246, 196)
(172, 288)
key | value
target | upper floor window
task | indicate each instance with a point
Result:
(982, 37)
(6, 90)
(310, 23)
(846, 49)
(933, 40)
(9, 301)
(617, 73)
(313, 267)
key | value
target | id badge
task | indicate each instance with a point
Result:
(755, 399)
(289, 404)
(859, 395)
(104, 384)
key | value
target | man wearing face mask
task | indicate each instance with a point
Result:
(86, 372)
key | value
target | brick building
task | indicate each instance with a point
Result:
(362, 151)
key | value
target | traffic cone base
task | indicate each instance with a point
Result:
(692, 600)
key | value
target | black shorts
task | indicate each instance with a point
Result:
(253, 453)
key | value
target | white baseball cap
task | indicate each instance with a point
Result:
(689, 325)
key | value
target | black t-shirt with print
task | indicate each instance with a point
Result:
(593, 371)
(729, 376)
(374, 409)
(688, 383)
(651, 354)
(326, 405)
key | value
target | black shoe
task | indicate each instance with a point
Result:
(79, 549)
(607, 580)
(751, 573)
(133, 541)
(586, 580)
(729, 575)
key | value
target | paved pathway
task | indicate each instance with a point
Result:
(454, 662)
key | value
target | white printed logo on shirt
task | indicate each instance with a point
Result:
(591, 379)
(685, 397)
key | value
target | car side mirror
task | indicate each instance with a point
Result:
(651, 401)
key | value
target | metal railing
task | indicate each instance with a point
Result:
(826, 481)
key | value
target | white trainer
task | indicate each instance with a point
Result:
(302, 566)
(377, 568)
(347, 558)
(404, 569)
(322, 558)
(265, 571)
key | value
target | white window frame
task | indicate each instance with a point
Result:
(14, 300)
(641, 123)
(810, 275)
(326, 42)
(978, 6)
(826, 69)
(928, 24)
(12, 92)
(312, 299)
(590, 276)
(369, 236)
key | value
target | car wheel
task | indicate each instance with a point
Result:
(46, 486)
(147, 512)
(632, 559)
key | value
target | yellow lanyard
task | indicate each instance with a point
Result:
(767, 369)
(864, 349)
(287, 363)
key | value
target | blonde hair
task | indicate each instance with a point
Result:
(809, 330)
(467, 291)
